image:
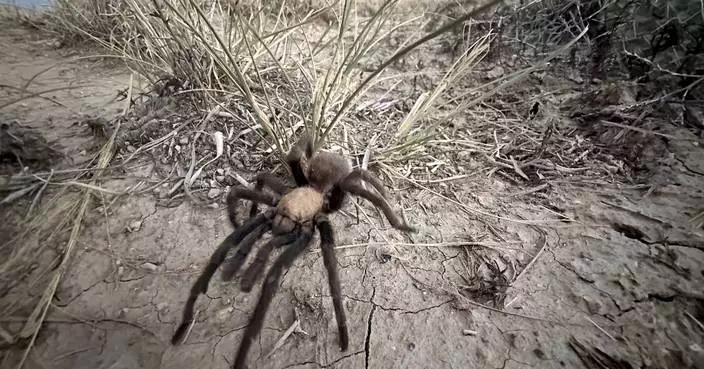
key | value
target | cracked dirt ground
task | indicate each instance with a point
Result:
(607, 279)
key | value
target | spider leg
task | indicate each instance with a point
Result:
(201, 284)
(304, 147)
(256, 196)
(245, 246)
(367, 176)
(355, 188)
(327, 245)
(271, 284)
(274, 183)
(335, 200)
(255, 269)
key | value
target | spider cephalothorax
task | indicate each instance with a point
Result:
(322, 181)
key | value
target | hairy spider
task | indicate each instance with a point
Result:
(323, 179)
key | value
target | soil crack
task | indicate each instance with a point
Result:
(429, 307)
(367, 340)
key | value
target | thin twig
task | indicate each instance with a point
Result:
(284, 336)
(601, 329)
(530, 264)
(39, 194)
(701, 326)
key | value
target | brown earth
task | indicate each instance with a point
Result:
(622, 275)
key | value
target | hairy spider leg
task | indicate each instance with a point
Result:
(335, 198)
(244, 193)
(327, 245)
(232, 266)
(251, 275)
(201, 284)
(274, 183)
(271, 284)
(303, 147)
(367, 176)
(355, 188)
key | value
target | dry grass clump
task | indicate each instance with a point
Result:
(38, 253)
(210, 48)
(634, 65)
(275, 71)
(261, 76)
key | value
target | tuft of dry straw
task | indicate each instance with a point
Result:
(36, 318)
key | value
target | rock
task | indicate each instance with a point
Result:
(149, 266)
(134, 226)
(220, 171)
(214, 192)
(131, 148)
(220, 179)
(183, 141)
(224, 313)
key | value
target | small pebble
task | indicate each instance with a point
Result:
(220, 179)
(134, 225)
(183, 141)
(220, 171)
(214, 192)
(469, 332)
(224, 313)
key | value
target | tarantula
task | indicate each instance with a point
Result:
(323, 179)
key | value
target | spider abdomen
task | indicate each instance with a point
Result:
(327, 169)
